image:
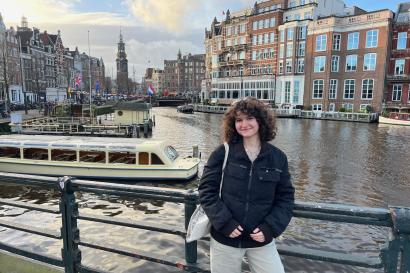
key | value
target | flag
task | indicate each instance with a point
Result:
(78, 81)
(150, 90)
(97, 85)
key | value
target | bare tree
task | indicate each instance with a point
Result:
(4, 62)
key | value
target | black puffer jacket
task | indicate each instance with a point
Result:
(258, 194)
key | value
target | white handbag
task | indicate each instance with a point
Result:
(199, 224)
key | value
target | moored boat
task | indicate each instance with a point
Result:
(187, 108)
(396, 119)
(98, 158)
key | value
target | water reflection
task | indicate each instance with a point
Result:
(362, 164)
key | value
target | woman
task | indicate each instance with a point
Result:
(257, 195)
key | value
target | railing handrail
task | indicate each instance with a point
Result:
(398, 219)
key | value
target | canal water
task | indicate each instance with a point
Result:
(330, 161)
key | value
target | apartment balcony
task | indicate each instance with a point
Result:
(405, 78)
(232, 63)
(234, 48)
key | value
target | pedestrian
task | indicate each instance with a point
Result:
(257, 195)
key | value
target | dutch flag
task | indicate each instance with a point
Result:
(150, 90)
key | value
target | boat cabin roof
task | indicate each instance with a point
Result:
(86, 143)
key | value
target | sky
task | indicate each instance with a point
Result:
(153, 30)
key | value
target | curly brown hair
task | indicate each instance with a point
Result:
(252, 107)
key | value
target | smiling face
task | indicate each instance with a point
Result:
(246, 126)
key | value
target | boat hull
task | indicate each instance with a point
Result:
(97, 171)
(394, 121)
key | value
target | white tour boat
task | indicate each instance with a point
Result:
(396, 119)
(98, 158)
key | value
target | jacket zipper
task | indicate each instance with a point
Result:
(247, 199)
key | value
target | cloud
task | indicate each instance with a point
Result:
(59, 12)
(163, 13)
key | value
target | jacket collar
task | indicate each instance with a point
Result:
(240, 153)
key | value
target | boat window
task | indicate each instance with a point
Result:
(121, 148)
(73, 146)
(171, 153)
(63, 155)
(143, 158)
(121, 157)
(35, 153)
(155, 160)
(36, 144)
(92, 147)
(92, 156)
(9, 143)
(11, 152)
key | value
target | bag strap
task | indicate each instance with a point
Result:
(223, 167)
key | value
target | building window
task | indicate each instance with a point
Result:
(320, 63)
(272, 22)
(349, 89)
(260, 39)
(301, 49)
(335, 64)
(351, 62)
(316, 107)
(336, 41)
(291, 31)
(397, 91)
(272, 37)
(318, 89)
(281, 50)
(287, 92)
(353, 41)
(367, 89)
(255, 25)
(348, 107)
(301, 66)
(254, 55)
(254, 40)
(402, 40)
(289, 50)
(280, 67)
(372, 37)
(321, 42)
(282, 35)
(332, 107)
(399, 67)
(332, 89)
(369, 61)
(302, 33)
(289, 66)
(296, 92)
(260, 24)
(266, 38)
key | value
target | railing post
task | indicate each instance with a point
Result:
(399, 243)
(191, 254)
(401, 224)
(71, 234)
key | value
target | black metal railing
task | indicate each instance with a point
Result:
(394, 256)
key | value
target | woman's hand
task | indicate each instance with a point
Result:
(257, 235)
(237, 232)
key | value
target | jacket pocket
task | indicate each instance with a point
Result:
(269, 174)
(236, 170)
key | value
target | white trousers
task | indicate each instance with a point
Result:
(227, 259)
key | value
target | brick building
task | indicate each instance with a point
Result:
(397, 97)
(347, 62)
(185, 74)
